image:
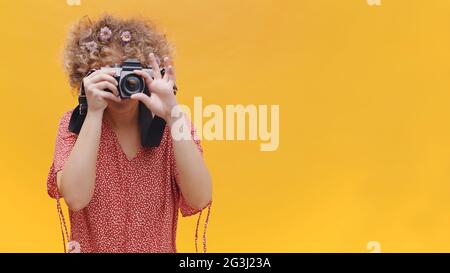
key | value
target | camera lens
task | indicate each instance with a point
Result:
(132, 84)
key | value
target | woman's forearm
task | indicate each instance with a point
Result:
(194, 178)
(76, 182)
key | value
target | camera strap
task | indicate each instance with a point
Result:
(80, 112)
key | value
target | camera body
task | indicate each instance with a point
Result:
(129, 82)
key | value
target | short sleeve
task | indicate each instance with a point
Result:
(185, 209)
(65, 140)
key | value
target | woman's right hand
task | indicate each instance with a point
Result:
(96, 86)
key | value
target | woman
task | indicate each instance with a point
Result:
(122, 196)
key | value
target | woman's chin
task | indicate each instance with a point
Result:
(124, 104)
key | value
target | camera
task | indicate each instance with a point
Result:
(129, 82)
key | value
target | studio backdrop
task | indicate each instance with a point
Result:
(345, 144)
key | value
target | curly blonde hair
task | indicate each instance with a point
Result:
(110, 40)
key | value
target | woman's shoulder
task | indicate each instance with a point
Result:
(63, 124)
(65, 118)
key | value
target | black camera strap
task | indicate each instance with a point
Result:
(80, 112)
(152, 128)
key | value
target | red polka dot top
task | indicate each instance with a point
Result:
(135, 203)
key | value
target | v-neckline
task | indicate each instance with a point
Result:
(117, 142)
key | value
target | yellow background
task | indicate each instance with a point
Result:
(364, 134)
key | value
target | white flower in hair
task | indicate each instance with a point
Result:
(91, 46)
(105, 34)
(125, 36)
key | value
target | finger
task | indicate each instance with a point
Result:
(104, 77)
(92, 74)
(109, 96)
(109, 71)
(145, 75)
(167, 63)
(171, 73)
(104, 85)
(148, 101)
(155, 66)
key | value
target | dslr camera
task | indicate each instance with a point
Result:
(129, 82)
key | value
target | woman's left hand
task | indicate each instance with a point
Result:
(161, 99)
